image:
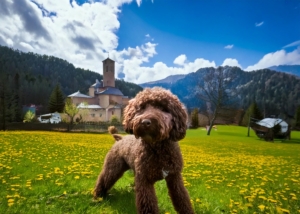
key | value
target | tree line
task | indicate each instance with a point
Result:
(30, 78)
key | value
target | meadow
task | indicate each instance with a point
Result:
(227, 172)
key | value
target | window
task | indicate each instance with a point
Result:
(106, 68)
(112, 112)
(93, 115)
(100, 115)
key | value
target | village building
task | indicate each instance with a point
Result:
(104, 100)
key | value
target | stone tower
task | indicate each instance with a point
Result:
(108, 72)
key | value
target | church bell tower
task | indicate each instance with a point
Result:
(108, 72)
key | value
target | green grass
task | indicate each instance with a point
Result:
(227, 172)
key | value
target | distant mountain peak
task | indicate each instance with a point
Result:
(168, 80)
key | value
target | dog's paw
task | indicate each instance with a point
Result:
(99, 194)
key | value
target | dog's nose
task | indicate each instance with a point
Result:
(146, 122)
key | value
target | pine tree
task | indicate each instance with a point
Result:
(56, 101)
(194, 118)
(254, 112)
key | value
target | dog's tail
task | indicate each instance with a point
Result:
(113, 131)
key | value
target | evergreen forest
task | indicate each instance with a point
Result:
(30, 78)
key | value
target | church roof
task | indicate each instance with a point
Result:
(97, 84)
(78, 94)
(111, 91)
(108, 59)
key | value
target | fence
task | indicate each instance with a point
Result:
(64, 127)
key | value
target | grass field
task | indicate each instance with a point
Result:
(227, 172)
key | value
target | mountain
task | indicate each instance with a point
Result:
(166, 82)
(291, 69)
(275, 92)
(32, 77)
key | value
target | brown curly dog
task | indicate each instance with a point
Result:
(157, 120)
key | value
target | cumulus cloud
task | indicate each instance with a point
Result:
(83, 35)
(228, 47)
(80, 34)
(259, 24)
(231, 62)
(280, 57)
(160, 70)
(180, 60)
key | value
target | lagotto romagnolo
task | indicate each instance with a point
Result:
(156, 120)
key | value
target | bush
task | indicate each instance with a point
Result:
(29, 117)
(114, 119)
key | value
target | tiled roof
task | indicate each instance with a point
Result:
(78, 94)
(111, 91)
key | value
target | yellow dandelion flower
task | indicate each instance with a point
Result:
(248, 205)
(198, 200)
(262, 197)
(261, 207)
(11, 200)
(285, 211)
(99, 199)
(77, 177)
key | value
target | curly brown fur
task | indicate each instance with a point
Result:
(112, 130)
(157, 120)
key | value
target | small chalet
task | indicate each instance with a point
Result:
(104, 99)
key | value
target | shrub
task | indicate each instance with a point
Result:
(29, 117)
(114, 119)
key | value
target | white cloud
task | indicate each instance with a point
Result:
(27, 46)
(296, 43)
(280, 57)
(259, 24)
(83, 34)
(231, 62)
(180, 60)
(228, 47)
(160, 70)
(139, 2)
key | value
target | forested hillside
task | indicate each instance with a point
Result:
(30, 78)
(275, 92)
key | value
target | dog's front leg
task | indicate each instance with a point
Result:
(145, 198)
(112, 170)
(179, 194)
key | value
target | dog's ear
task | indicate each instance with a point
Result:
(179, 120)
(129, 112)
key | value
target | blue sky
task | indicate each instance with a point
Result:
(204, 28)
(152, 39)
